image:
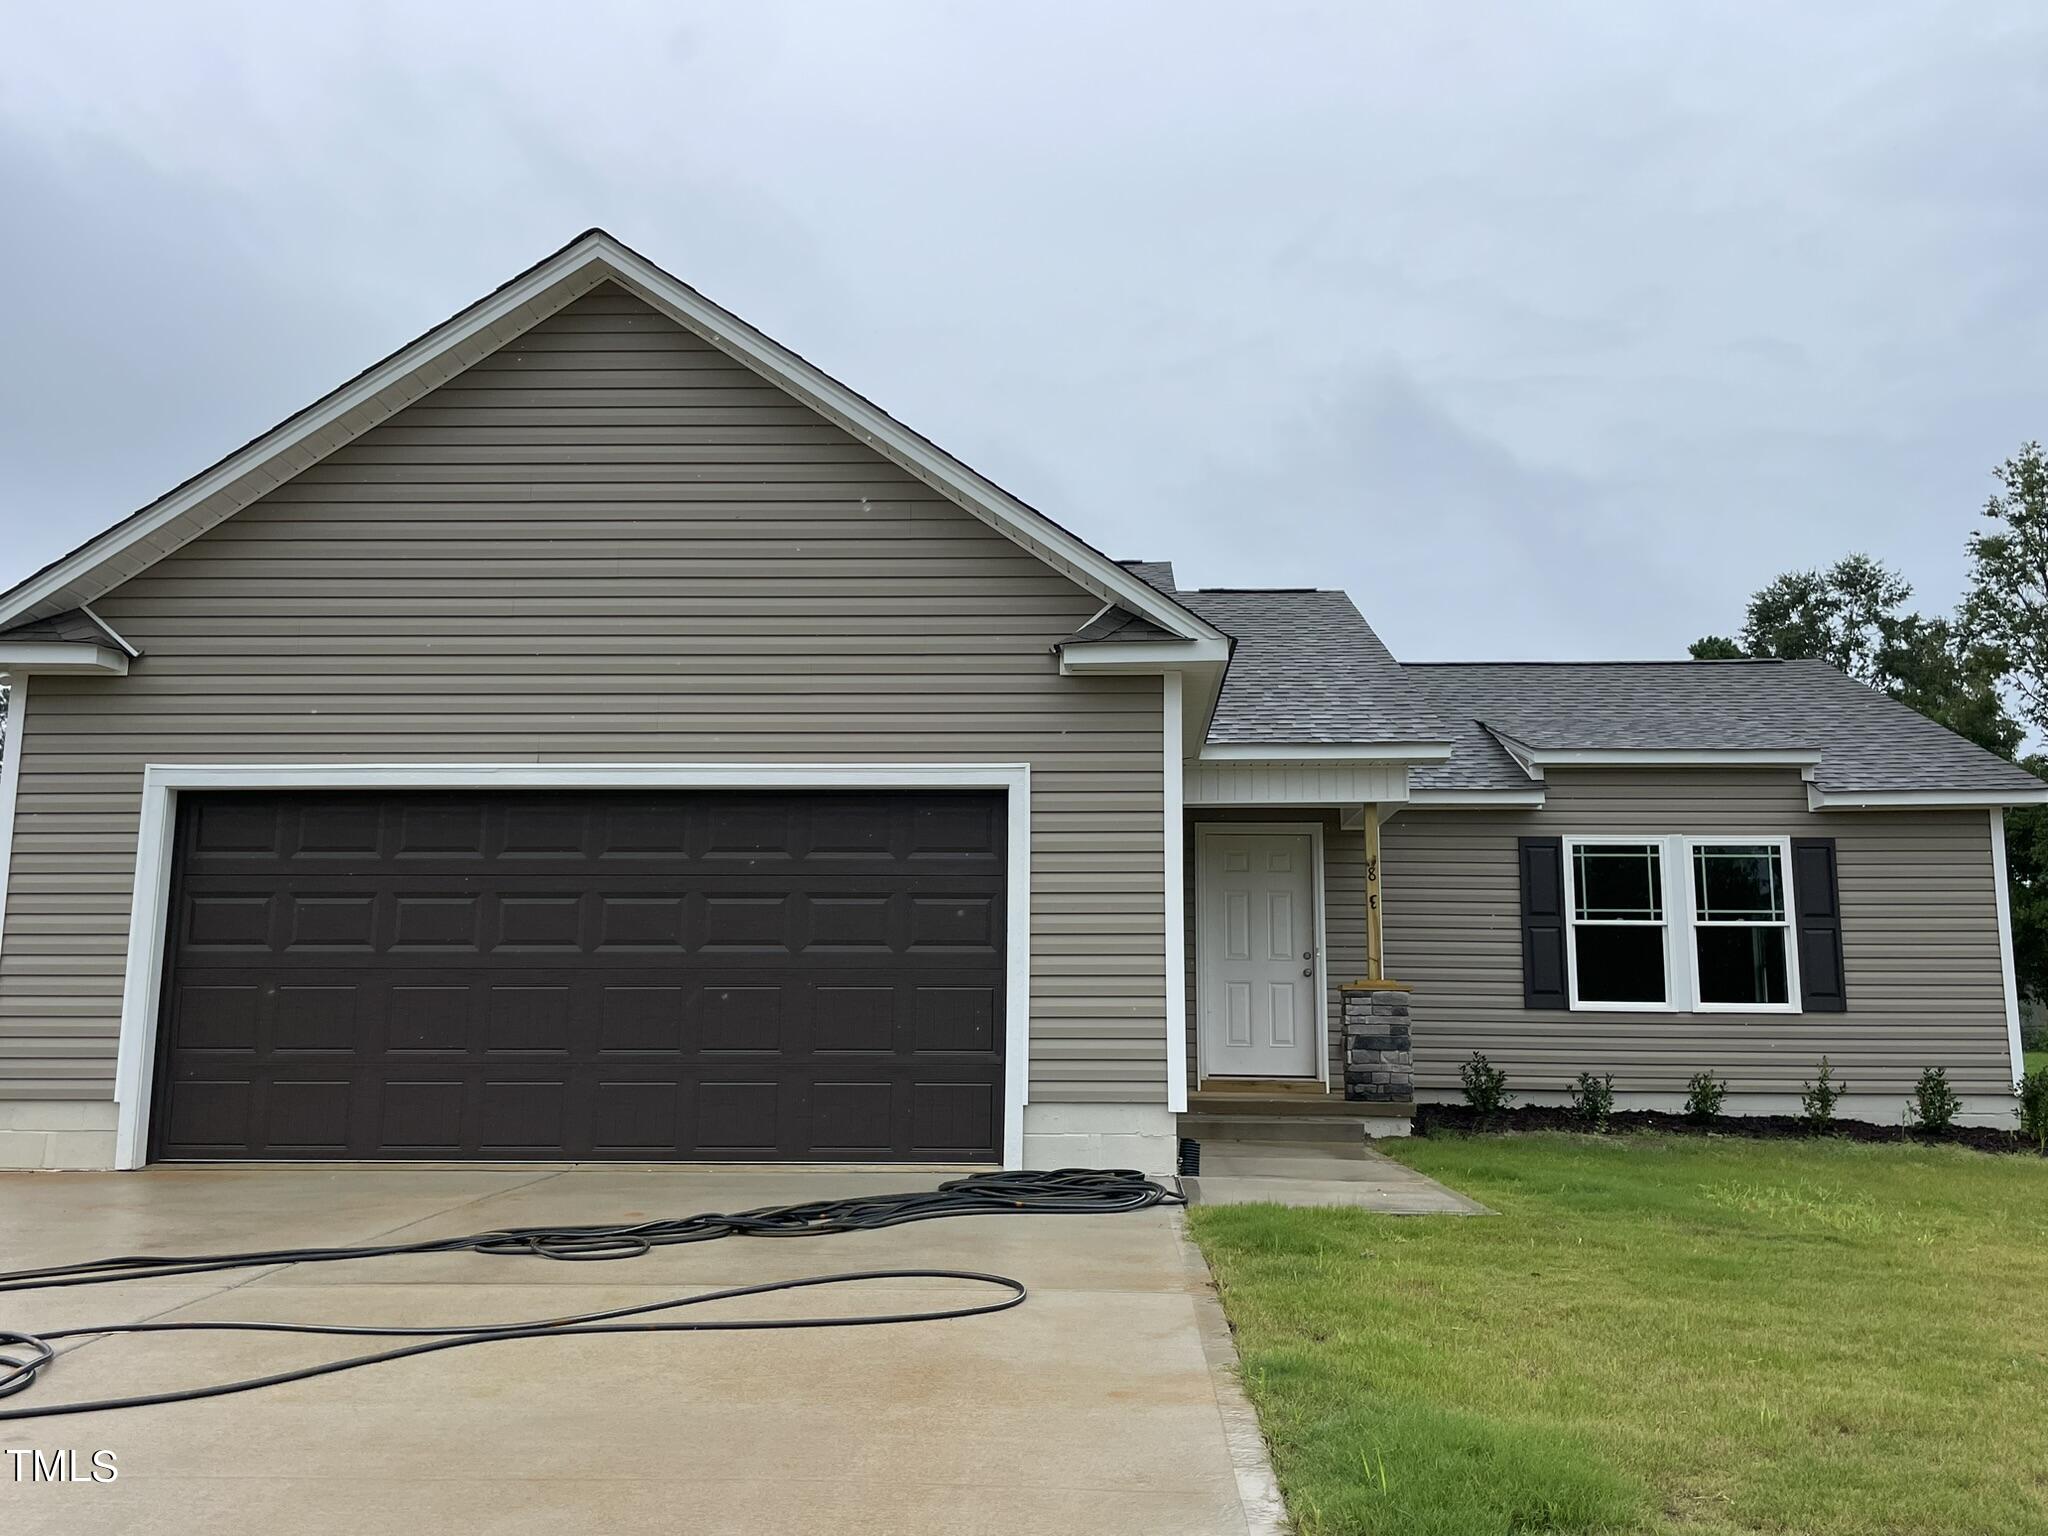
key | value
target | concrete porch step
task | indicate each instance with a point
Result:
(1216, 1129)
(1238, 1101)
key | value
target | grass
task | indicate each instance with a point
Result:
(2033, 1060)
(1656, 1333)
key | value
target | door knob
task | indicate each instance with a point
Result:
(1308, 970)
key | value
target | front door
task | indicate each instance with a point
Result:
(1256, 951)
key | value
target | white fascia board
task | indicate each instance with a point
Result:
(21, 657)
(1476, 799)
(1023, 524)
(1818, 799)
(1129, 656)
(98, 565)
(1326, 752)
(1661, 757)
(110, 632)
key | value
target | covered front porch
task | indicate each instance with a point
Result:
(1295, 1032)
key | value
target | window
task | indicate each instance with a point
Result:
(1618, 924)
(1679, 924)
(1740, 933)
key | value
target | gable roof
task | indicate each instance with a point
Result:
(1306, 668)
(215, 494)
(1864, 743)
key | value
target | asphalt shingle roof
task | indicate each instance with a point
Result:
(1306, 667)
(1866, 741)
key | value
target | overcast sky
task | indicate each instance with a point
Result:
(1544, 330)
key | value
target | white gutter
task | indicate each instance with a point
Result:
(1818, 799)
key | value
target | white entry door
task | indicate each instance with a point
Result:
(1256, 955)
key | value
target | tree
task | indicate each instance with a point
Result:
(1854, 615)
(1954, 682)
(2007, 606)
(1845, 614)
(2026, 866)
(1716, 648)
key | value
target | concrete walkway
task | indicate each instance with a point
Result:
(1104, 1403)
(1320, 1173)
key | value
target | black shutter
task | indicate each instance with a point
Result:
(1543, 925)
(1817, 923)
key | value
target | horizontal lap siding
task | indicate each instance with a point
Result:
(1919, 941)
(607, 542)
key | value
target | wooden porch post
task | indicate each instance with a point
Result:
(1375, 943)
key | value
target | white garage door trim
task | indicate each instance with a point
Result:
(135, 1066)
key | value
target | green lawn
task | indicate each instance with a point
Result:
(1657, 1334)
(2033, 1059)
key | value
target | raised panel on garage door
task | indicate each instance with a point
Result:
(559, 975)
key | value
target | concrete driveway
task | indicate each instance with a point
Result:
(1093, 1407)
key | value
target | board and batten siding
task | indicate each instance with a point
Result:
(606, 542)
(1919, 943)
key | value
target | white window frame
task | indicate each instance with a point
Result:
(1783, 847)
(1673, 1002)
(1681, 901)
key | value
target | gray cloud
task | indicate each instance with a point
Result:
(1548, 335)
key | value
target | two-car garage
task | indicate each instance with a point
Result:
(638, 974)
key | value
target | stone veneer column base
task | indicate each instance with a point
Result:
(1379, 1055)
(57, 1133)
(1140, 1136)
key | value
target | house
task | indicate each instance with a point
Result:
(593, 732)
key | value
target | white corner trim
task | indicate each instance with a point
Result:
(1175, 822)
(18, 657)
(10, 786)
(2005, 961)
(110, 632)
(1085, 656)
(577, 267)
(1475, 799)
(149, 914)
(1818, 799)
(1283, 753)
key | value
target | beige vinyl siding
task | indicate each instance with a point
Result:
(605, 542)
(1919, 941)
(1343, 912)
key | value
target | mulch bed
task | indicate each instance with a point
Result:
(1462, 1119)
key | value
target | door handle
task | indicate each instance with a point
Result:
(1309, 971)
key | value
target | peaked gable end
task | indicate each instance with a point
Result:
(586, 262)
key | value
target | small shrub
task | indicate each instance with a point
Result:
(1934, 1104)
(2032, 1092)
(1593, 1100)
(1704, 1095)
(1486, 1086)
(1817, 1099)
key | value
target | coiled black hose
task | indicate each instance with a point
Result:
(1067, 1191)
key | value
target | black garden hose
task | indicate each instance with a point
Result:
(1068, 1191)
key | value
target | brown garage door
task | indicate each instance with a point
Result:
(585, 975)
